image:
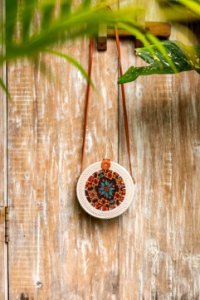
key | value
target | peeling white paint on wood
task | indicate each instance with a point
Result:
(56, 250)
(3, 172)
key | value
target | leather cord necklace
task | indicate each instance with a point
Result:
(105, 189)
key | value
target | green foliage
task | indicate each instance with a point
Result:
(169, 57)
(34, 26)
(184, 59)
(180, 10)
(71, 60)
(4, 88)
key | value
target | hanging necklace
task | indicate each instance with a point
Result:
(105, 189)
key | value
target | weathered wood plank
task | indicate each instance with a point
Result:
(2, 122)
(56, 250)
(23, 230)
(101, 237)
(3, 172)
(3, 257)
(159, 257)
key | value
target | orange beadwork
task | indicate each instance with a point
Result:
(105, 165)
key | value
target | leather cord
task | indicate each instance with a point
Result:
(87, 98)
(91, 48)
(124, 105)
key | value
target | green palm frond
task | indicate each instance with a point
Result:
(34, 26)
(4, 88)
(72, 60)
(193, 5)
(180, 10)
(169, 57)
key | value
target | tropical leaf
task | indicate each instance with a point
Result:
(49, 28)
(4, 88)
(11, 19)
(47, 15)
(34, 26)
(180, 10)
(184, 58)
(192, 5)
(27, 13)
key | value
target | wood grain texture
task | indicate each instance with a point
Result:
(54, 244)
(2, 121)
(3, 172)
(58, 252)
(161, 230)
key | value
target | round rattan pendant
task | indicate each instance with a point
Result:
(105, 189)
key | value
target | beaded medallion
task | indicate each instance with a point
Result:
(105, 191)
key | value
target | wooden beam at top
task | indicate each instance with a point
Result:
(161, 30)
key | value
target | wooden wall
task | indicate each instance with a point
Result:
(58, 252)
(3, 173)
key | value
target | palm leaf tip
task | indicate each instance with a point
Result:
(4, 88)
(71, 60)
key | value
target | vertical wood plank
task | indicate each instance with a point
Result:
(2, 120)
(23, 231)
(58, 250)
(97, 270)
(3, 170)
(184, 218)
(160, 257)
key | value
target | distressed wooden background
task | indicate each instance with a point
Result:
(56, 251)
(3, 174)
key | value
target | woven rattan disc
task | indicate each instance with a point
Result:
(107, 193)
